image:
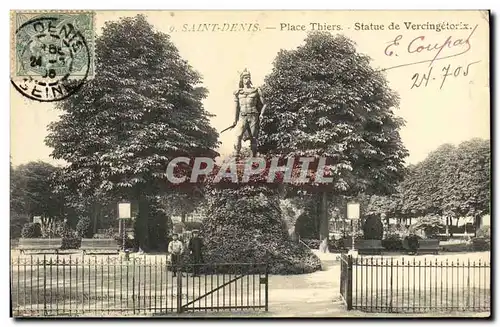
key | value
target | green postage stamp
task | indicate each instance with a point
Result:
(54, 53)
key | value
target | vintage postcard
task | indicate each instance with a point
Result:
(250, 163)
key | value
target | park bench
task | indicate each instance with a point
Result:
(425, 246)
(39, 244)
(107, 245)
(365, 246)
(369, 246)
(430, 246)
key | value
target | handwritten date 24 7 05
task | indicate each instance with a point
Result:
(447, 72)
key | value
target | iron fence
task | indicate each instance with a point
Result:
(393, 285)
(113, 286)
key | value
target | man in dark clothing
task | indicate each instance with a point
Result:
(413, 243)
(195, 246)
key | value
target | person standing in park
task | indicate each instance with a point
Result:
(195, 246)
(175, 249)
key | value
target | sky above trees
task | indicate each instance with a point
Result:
(457, 112)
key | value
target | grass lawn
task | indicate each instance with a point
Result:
(109, 287)
(405, 284)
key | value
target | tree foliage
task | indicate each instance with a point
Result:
(32, 190)
(326, 100)
(142, 109)
(452, 181)
(467, 188)
(33, 193)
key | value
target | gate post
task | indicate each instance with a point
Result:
(44, 285)
(349, 283)
(267, 288)
(179, 288)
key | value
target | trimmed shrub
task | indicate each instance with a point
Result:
(70, 240)
(430, 225)
(482, 241)
(412, 241)
(481, 244)
(341, 243)
(84, 228)
(130, 243)
(373, 229)
(17, 222)
(31, 230)
(393, 242)
(457, 247)
(245, 225)
(484, 232)
(305, 226)
(110, 232)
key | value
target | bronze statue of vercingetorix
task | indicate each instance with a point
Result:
(249, 110)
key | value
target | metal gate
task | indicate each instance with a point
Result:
(50, 285)
(224, 287)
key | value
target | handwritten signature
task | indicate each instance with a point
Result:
(440, 50)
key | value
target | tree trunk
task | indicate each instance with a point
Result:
(477, 224)
(95, 212)
(183, 217)
(323, 224)
(447, 230)
(45, 227)
(142, 226)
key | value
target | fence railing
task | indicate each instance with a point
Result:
(112, 286)
(393, 285)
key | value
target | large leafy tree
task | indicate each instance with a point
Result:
(423, 190)
(466, 188)
(451, 182)
(18, 215)
(142, 109)
(326, 100)
(33, 194)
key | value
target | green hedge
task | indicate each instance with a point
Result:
(31, 230)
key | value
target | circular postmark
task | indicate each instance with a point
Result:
(52, 58)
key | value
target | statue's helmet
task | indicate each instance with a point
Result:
(244, 73)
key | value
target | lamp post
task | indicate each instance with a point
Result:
(353, 214)
(124, 213)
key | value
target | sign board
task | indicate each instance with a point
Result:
(353, 210)
(124, 211)
(37, 220)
